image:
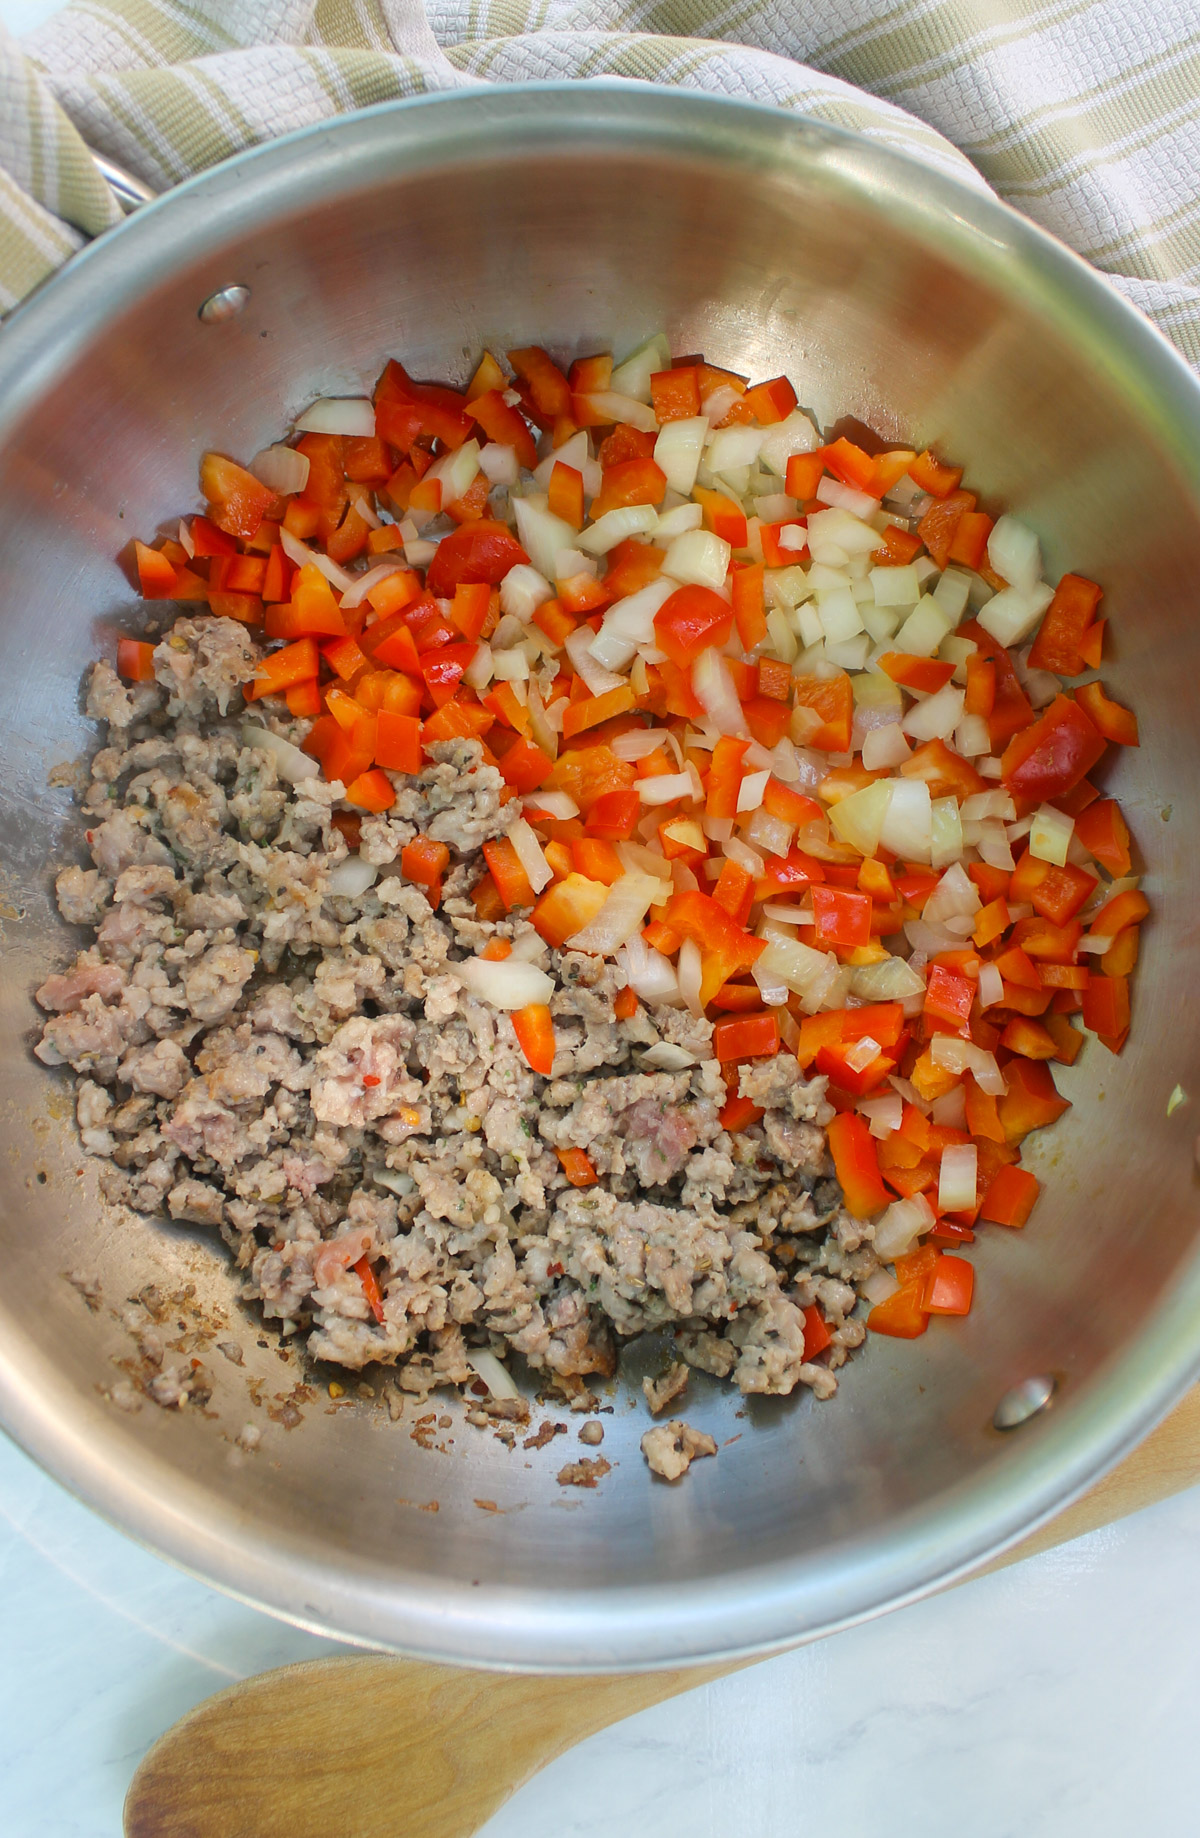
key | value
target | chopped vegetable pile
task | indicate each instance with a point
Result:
(798, 732)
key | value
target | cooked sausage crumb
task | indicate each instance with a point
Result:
(671, 1448)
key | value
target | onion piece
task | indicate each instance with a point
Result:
(649, 974)
(556, 804)
(845, 498)
(677, 522)
(678, 449)
(957, 1177)
(955, 895)
(612, 405)
(494, 1373)
(1014, 552)
(714, 689)
(752, 790)
(891, 980)
(304, 557)
(883, 1114)
(575, 453)
(665, 1056)
(543, 536)
(1011, 615)
(697, 557)
(499, 464)
(769, 833)
(350, 415)
(621, 916)
(281, 469)
(666, 788)
(351, 877)
(956, 1055)
(859, 819)
(908, 826)
(877, 1287)
(690, 972)
(950, 1110)
(579, 649)
(481, 669)
(794, 434)
(361, 584)
(1050, 835)
(636, 743)
(290, 763)
(937, 716)
(628, 520)
(529, 853)
(884, 747)
(506, 983)
(636, 859)
(901, 1225)
(185, 539)
(632, 376)
(991, 986)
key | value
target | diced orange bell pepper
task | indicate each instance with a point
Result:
(486, 900)
(304, 699)
(1031, 1101)
(832, 700)
(512, 882)
(1104, 833)
(1106, 1007)
(1064, 629)
(945, 772)
(903, 1315)
(725, 947)
(939, 525)
(424, 861)
(156, 575)
(632, 481)
(746, 586)
(549, 388)
(1028, 1038)
(398, 742)
(1109, 718)
(576, 1164)
(505, 425)
(371, 790)
(675, 394)
(722, 516)
(344, 658)
(949, 1287)
(1056, 893)
(739, 1113)
(856, 1165)
(596, 859)
(631, 566)
(949, 997)
(566, 906)
(803, 475)
(237, 501)
(525, 767)
(898, 548)
(614, 815)
(923, 673)
(692, 620)
(565, 494)
(312, 610)
(843, 918)
(480, 551)
(968, 545)
(1011, 708)
(1068, 1041)
(370, 1287)
(534, 1029)
(279, 670)
(938, 480)
(1010, 1197)
(849, 464)
(135, 662)
(579, 716)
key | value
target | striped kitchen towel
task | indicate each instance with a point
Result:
(1084, 114)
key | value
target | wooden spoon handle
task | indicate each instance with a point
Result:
(374, 1747)
(371, 1747)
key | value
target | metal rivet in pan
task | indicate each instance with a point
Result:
(226, 303)
(1022, 1402)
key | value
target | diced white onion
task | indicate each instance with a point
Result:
(351, 877)
(955, 894)
(993, 845)
(956, 1055)
(901, 1225)
(752, 790)
(859, 819)
(795, 964)
(523, 590)
(350, 415)
(991, 986)
(543, 536)
(665, 788)
(495, 1375)
(714, 690)
(1014, 553)
(185, 538)
(637, 743)
(884, 747)
(554, 803)
(718, 404)
(946, 834)
(665, 1056)
(891, 980)
(794, 434)
(952, 593)
(613, 405)
(950, 1109)
(924, 629)
(881, 1284)
(883, 1114)
(937, 716)
(1050, 835)
(574, 452)
(698, 556)
(1012, 614)
(578, 648)
(649, 974)
(505, 982)
(304, 557)
(621, 916)
(908, 826)
(769, 833)
(832, 491)
(629, 520)
(499, 464)
(675, 522)
(971, 737)
(733, 446)
(678, 449)
(895, 586)
(511, 664)
(632, 376)
(529, 853)
(479, 672)
(793, 536)
(690, 972)
(281, 469)
(290, 763)
(957, 1177)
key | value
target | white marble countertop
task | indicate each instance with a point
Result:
(1052, 1700)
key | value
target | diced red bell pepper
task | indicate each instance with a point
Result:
(505, 425)
(692, 620)
(856, 1165)
(631, 481)
(525, 766)
(534, 1029)
(725, 947)
(135, 661)
(945, 772)
(839, 1061)
(596, 859)
(1064, 629)
(849, 464)
(1049, 758)
(725, 776)
(968, 545)
(898, 548)
(771, 401)
(1056, 893)
(632, 565)
(344, 658)
(1010, 1197)
(832, 700)
(565, 497)
(1128, 908)
(981, 686)
(237, 502)
(548, 387)
(733, 889)
(443, 670)
(722, 515)
(949, 1287)
(747, 1036)
(370, 1287)
(481, 551)
(576, 1163)
(406, 412)
(1109, 718)
(614, 815)
(746, 587)
(398, 742)
(156, 575)
(675, 394)
(1031, 1101)
(775, 555)
(1106, 1006)
(1011, 708)
(803, 475)
(739, 1113)
(817, 1335)
(843, 918)
(208, 540)
(949, 997)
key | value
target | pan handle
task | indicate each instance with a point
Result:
(128, 191)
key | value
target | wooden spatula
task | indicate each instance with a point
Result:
(375, 1747)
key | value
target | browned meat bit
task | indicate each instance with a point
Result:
(663, 1391)
(592, 1433)
(584, 1473)
(671, 1448)
(547, 1432)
